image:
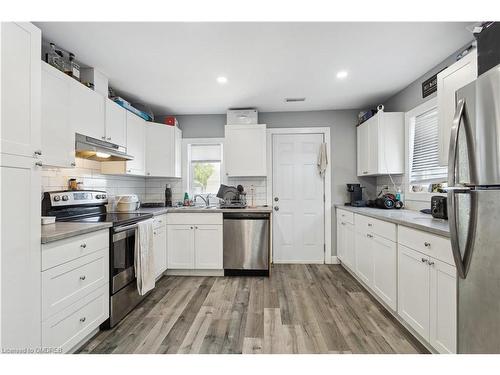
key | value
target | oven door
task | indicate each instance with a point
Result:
(122, 257)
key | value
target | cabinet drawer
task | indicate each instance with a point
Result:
(382, 228)
(68, 327)
(159, 221)
(59, 252)
(345, 216)
(190, 218)
(435, 246)
(66, 284)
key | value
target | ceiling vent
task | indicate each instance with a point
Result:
(293, 100)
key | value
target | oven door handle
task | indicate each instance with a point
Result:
(127, 227)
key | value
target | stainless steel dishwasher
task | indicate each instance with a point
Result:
(246, 243)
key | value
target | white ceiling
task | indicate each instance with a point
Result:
(173, 66)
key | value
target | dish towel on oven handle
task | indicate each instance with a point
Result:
(144, 262)
(322, 159)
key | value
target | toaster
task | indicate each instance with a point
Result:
(439, 207)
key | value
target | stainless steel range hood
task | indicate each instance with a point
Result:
(95, 149)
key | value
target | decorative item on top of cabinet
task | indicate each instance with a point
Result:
(449, 81)
(380, 144)
(20, 184)
(245, 150)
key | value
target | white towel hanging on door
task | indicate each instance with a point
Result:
(322, 159)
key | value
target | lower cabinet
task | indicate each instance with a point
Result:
(345, 243)
(160, 249)
(384, 270)
(75, 288)
(194, 241)
(364, 257)
(427, 298)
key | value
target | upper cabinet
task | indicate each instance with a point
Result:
(245, 150)
(380, 143)
(115, 123)
(58, 134)
(20, 85)
(449, 81)
(87, 111)
(163, 150)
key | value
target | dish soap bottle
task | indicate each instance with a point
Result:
(168, 196)
(186, 199)
(399, 196)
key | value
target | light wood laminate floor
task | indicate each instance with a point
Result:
(299, 309)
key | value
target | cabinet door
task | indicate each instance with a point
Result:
(160, 150)
(87, 111)
(20, 88)
(116, 123)
(373, 144)
(443, 307)
(136, 144)
(364, 257)
(349, 248)
(340, 239)
(58, 134)
(180, 239)
(160, 249)
(363, 149)
(178, 153)
(385, 270)
(449, 81)
(414, 290)
(245, 150)
(20, 261)
(208, 247)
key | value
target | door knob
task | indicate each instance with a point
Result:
(276, 199)
(276, 208)
(39, 164)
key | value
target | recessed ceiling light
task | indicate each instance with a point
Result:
(342, 74)
(222, 80)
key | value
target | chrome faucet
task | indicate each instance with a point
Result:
(205, 200)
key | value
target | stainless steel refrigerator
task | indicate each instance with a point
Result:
(474, 212)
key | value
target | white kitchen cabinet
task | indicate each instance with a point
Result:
(449, 81)
(58, 134)
(20, 186)
(380, 145)
(245, 150)
(208, 246)
(194, 241)
(163, 150)
(160, 249)
(364, 257)
(87, 111)
(385, 270)
(345, 240)
(136, 147)
(180, 248)
(443, 306)
(414, 290)
(115, 123)
(20, 88)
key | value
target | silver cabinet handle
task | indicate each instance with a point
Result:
(276, 199)
(191, 227)
(154, 232)
(195, 227)
(430, 263)
(424, 260)
(39, 164)
(83, 277)
(276, 208)
(83, 319)
(38, 153)
(369, 235)
(73, 164)
(370, 224)
(342, 223)
(83, 245)
(427, 244)
(129, 170)
(109, 138)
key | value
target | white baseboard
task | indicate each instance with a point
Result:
(334, 260)
(177, 272)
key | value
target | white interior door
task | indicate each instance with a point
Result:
(298, 199)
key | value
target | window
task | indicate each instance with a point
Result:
(425, 173)
(204, 168)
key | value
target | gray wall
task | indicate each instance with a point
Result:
(342, 149)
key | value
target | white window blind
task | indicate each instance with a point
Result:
(425, 152)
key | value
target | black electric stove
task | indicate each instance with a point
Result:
(89, 206)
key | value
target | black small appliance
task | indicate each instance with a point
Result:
(488, 53)
(439, 207)
(355, 195)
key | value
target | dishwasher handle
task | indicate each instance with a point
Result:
(246, 216)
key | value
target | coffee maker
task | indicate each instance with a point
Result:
(355, 195)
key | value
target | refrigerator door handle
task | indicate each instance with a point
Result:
(461, 263)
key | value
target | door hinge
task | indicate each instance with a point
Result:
(324, 247)
(324, 198)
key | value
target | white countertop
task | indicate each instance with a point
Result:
(61, 230)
